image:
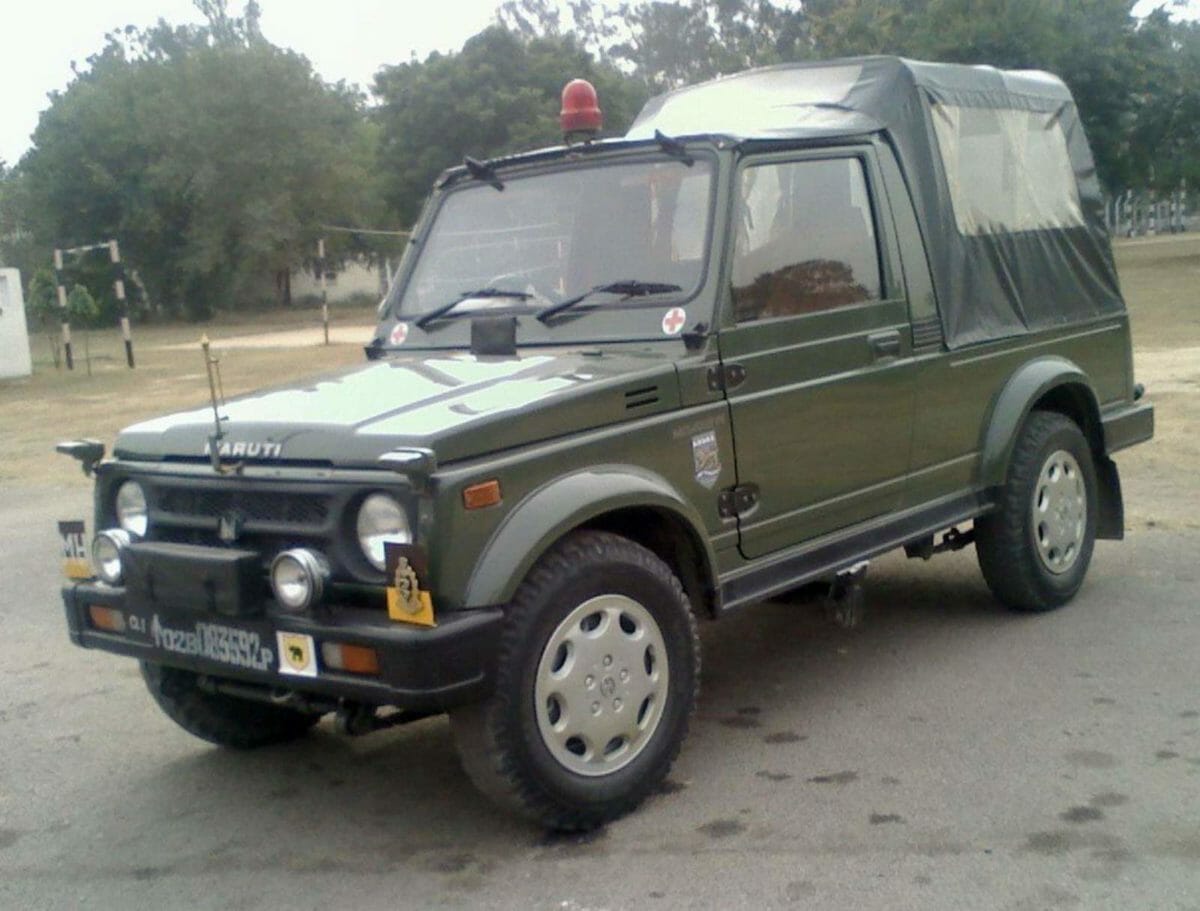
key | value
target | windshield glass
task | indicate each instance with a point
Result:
(551, 237)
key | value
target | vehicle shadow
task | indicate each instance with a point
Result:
(398, 800)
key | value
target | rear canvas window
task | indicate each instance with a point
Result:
(1007, 170)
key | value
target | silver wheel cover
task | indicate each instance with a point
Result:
(1058, 512)
(601, 685)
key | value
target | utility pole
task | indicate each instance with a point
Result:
(324, 293)
(114, 254)
(62, 308)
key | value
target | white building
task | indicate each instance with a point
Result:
(14, 332)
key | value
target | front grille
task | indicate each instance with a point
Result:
(255, 506)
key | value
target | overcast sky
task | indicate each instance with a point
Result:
(347, 40)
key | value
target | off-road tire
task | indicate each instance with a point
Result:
(499, 742)
(224, 720)
(1005, 539)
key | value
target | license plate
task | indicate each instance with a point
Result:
(74, 550)
(231, 645)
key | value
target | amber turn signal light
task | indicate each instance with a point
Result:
(477, 496)
(357, 659)
(106, 618)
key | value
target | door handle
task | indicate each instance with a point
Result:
(884, 344)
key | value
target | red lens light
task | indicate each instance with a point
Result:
(580, 108)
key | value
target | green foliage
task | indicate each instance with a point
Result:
(82, 307)
(210, 154)
(42, 299)
(215, 158)
(1137, 83)
(499, 95)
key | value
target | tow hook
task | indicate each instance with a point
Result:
(354, 719)
(844, 603)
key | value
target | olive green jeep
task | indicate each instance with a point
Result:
(795, 318)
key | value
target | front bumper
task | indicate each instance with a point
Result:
(420, 669)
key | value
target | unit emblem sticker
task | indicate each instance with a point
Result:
(706, 458)
(297, 655)
(673, 320)
(398, 334)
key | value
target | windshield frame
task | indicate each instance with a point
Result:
(577, 324)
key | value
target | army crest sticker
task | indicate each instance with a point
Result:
(706, 458)
(407, 601)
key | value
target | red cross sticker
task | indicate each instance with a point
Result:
(673, 321)
(399, 334)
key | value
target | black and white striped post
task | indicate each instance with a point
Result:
(324, 294)
(114, 255)
(62, 309)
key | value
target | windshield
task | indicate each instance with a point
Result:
(548, 238)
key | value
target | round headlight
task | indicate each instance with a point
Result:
(381, 520)
(298, 578)
(107, 554)
(131, 508)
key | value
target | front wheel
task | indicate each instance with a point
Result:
(1034, 549)
(597, 676)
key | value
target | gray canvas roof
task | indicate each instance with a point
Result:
(996, 274)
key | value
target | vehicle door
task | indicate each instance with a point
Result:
(818, 364)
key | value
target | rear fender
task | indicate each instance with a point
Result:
(1057, 383)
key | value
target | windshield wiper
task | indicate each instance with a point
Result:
(673, 147)
(629, 287)
(483, 170)
(438, 312)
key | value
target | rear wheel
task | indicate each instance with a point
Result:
(223, 720)
(597, 676)
(1034, 549)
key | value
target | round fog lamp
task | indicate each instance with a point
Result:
(131, 508)
(298, 578)
(381, 520)
(107, 554)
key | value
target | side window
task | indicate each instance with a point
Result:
(805, 239)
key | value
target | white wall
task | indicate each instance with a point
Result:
(356, 278)
(14, 335)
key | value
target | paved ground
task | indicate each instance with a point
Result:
(946, 755)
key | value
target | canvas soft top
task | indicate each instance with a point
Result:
(997, 164)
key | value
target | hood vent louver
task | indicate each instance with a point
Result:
(641, 397)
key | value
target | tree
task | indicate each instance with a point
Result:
(500, 94)
(212, 155)
(42, 302)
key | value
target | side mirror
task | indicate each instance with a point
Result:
(87, 452)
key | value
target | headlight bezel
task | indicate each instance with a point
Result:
(118, 539)
(313, 567)
(136, 520)
(373, 551)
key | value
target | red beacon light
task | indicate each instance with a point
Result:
(580, 117)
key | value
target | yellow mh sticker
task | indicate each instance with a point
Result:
(75, 556)
(406, 600)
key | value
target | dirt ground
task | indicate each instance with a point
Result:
(1160, 278)
(52, 405)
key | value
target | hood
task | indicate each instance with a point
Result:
(457, 404)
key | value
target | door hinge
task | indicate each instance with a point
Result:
(734, 502)
(725, 376)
